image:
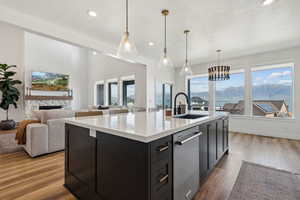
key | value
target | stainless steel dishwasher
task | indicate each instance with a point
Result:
(186, 163)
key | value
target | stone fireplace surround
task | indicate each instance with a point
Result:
(31, 105)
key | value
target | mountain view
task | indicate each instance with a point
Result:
(260, 92)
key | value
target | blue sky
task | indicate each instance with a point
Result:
(236, 80)
(199, 84)
(273, 76)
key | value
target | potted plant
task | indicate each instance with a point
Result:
(10, 94)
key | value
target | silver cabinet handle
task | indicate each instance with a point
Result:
(164, 178)
(164, 148)
(188, 139)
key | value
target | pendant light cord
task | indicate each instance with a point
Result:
(126, 28)
(165, 49)
(186, 47)
(219, 57)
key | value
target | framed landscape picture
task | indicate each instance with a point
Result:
(47, 81)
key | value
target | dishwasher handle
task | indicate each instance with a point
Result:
(188, 139)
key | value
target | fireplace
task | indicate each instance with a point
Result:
(50, 107)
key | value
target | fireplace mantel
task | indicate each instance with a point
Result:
(39, 98)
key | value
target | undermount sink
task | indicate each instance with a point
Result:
(190, 116)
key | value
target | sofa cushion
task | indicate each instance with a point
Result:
(36, 114)
(45, 115)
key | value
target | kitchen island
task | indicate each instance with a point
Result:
(143, 155)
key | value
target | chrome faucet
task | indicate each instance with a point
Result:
(187, 100)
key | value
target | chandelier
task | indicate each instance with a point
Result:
(219, 72)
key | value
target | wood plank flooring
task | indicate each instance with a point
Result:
(25, 178)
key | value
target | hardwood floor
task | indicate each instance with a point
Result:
(25, 178)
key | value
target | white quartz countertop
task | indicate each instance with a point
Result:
(141, 126)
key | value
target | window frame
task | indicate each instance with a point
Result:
(188, 88)
(266, 67)
(125, 83)
(163, 95)
(109, 92)
(237, 71)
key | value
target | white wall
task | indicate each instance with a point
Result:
(104, 68)
(157, 76)
(11, 52)
(286, 128)
(48, 55)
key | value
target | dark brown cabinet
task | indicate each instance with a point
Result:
(212, 144)
(220, 138)
(80, 163)
(225, 134)
(203, 154)
(108, 167)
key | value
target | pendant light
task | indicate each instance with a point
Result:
(127, 48)
(165, 61)
(186, 68)
(219, 72)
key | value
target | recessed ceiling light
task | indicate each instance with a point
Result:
(267, 2)
(92, 13)
(95, 53)
(151, 44)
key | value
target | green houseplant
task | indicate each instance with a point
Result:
(10, 94)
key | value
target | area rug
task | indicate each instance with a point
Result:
(8, 144)
(257, 182)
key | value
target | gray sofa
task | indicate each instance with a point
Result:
(47, 136)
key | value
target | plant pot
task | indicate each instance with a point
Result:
(7, 125)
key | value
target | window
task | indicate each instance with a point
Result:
(272, 91)
(198, 93)
(230, 94)
(159, 95)
(113, 93)
(167, 95)
(100, 94)
(128, 93)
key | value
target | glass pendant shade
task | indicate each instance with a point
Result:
(186, 70)
(165, 62)
(127, 48)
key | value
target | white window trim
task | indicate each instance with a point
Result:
(113, 80)
(266, 67)
(271, 66)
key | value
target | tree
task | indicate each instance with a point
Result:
(10, 94)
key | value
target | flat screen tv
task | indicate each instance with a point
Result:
(47, 81)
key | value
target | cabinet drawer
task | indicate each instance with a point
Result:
(161, 182)
(161, 150)
(164, 194)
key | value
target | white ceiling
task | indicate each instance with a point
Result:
(239, 27)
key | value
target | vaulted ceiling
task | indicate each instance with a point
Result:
(239, 27)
